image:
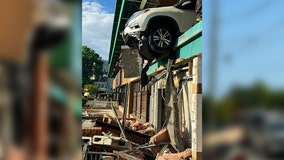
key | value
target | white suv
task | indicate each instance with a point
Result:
(154, 30)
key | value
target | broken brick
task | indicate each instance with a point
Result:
(176, 156)
(149, 131)
(91, 131)
(137, 126)
(161, 136)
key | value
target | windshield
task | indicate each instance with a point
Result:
(179, 3)
(182, 5)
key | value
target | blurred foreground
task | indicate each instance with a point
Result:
(243, 80)
(40, 82)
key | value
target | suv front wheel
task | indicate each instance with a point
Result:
(161, 38)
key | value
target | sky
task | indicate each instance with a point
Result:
(249, 37)
(97, 21)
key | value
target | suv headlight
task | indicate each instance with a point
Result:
(134, 25)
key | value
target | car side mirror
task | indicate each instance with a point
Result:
(187, 5)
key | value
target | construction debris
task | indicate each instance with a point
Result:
(107, 137)
(173, 108)
(185, 155)
(91, 131)
(161, 136)
(145, 128)
(130, 155)
(131, 135)
(102, 138)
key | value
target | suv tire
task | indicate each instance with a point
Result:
(144, 50)
(161, 38)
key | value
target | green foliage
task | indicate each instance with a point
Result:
(239, 99)
(84, 100)
(92, 89)
(92, 64)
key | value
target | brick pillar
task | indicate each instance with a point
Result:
(196, 108)
(40, 137)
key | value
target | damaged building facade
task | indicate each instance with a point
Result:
(167, 111)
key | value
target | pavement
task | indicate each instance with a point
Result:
(103, 107)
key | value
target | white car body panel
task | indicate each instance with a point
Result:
(184, 18)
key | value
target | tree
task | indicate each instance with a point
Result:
(92, 65)
(92, 89)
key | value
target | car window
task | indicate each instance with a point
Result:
(186, 4)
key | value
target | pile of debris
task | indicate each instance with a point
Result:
(107, 138)
(145, 128)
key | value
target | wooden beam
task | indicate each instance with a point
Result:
(142, 4)
(196, 110)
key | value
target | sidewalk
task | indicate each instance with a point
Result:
(102, 107)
